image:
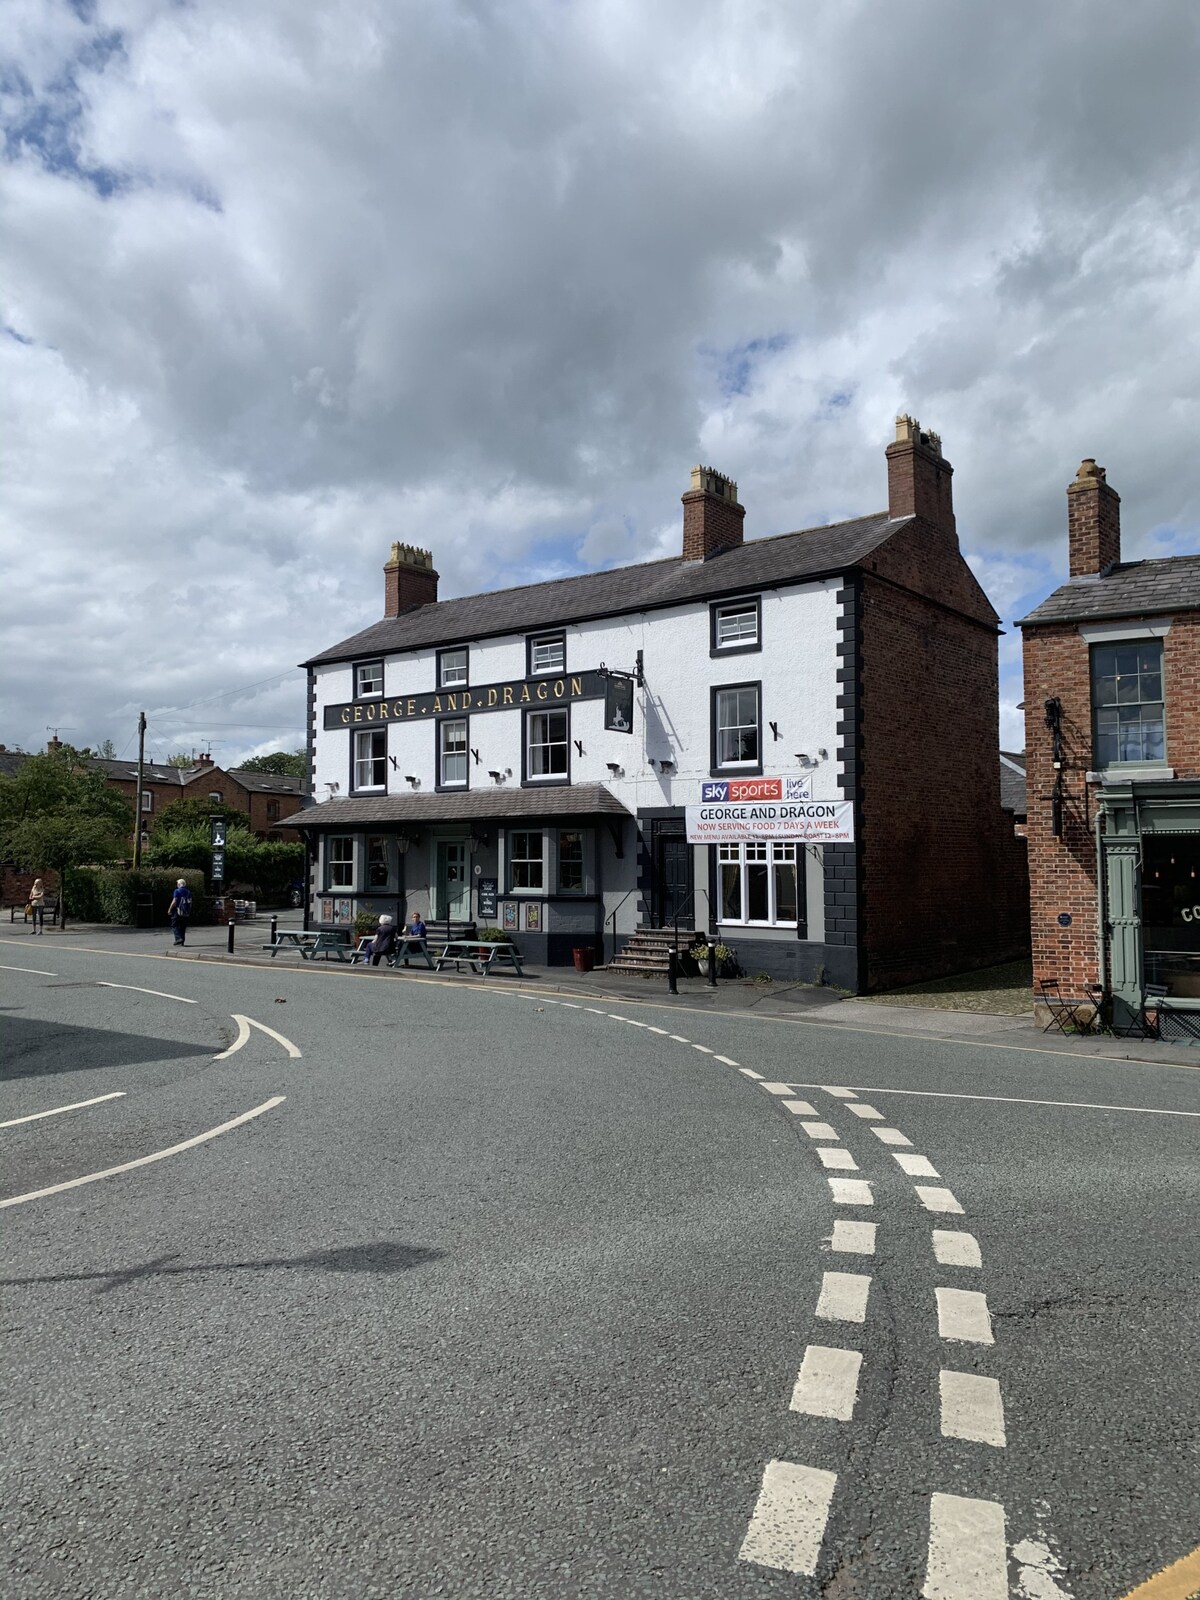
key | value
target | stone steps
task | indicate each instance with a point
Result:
(645, 955)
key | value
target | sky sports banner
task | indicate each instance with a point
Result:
(747, 809)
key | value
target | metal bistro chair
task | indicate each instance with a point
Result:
(1182, 1024)
(1072, 1013)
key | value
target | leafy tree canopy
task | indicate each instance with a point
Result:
(283, 763)
(181, 758)
(193, 813)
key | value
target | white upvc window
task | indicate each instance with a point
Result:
(526, 860)
(370, 759)
(368, 679)
(736, 626)
(736, 740)
(452, 668)
(547, 654)
(339, 861)
(452, 753)
(759, 883)
(147, 800)
(546, 740)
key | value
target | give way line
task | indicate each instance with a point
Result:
(1004, 1099)
(244, 1026)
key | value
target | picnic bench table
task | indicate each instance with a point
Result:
(479, 955)
(400, 951)
(310, 945)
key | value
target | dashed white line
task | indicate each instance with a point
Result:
(851, 1192)
(748, 1072)
(36, 1116)
(968, 1559)
(956, 1249)
(972, 1408)
(890, 1136)
(593, 1009)
(819, 1130)
(840, 1094)
(137, 989)
(775, 1088)
(789, 1519)
(727, 1061)
(934, 1198)
(916, 1166)
(679, 1039)
(842, 1159)
(827, 1385)
(570, 1005)
(664, 1032)
(36, 971)
(853, 1238)
(1013, 1100)
(868, 1113)
(963, 1314)
(843, 1297)
(799, 1108)
(703, 1049)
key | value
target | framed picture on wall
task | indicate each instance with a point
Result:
(533, 916)
(510, 916)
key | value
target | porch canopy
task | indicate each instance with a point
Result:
(494, 804)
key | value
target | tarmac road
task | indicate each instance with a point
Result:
(491, 1293)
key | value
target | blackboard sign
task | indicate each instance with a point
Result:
(488, 890)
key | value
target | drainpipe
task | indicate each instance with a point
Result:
(1101, 942)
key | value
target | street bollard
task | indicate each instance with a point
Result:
(672, 972)
(712, 961)
(274, 930)
(232, 925)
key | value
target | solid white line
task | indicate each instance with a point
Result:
(853, 1238)
(789, 1519)
(145, 1161)
(842, 1159)
(963, 1314)
(799, 1108)
(916, 1166)
(243, 1034)
(36, 971)
(278, 1037)
(778, 1088)
(956, 1249)
(934, 1198)
(817, 1130)
(851, 1192)
(890, 1136)
(843, 1297)
(972, 1408)
(827, 1385)
(101, 983)
(968, 1558)
(1011, 1100)
(868, 1113)
(117, 1094)
(748, 1072)
(727, 1061)
(840, 1094)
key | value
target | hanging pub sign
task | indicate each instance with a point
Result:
(618, 704)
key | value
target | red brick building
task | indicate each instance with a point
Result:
(1112, 664)
(264, 798)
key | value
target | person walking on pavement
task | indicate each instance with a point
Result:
(180, 910)
(37, 905)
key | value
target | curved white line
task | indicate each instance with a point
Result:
(117, 1094)
(278, 1037)
(137, 988)
(243, 1034)
(145, 1161)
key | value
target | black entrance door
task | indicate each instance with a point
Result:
(672, 898)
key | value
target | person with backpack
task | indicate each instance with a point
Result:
(180, 910)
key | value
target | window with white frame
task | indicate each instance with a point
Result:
(216, 797)
(368, 679)
(526, 864)
(759, 883)
(547, 653)
(735, 626)
(736, 735)
(452, 753)
(452, 668)
(570, 861)
(147, 800)
(546, 740)
(339, 861)
(370, 759)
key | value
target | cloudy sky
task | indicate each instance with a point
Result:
(284, 282)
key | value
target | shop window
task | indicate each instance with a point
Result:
(452, 668)
(759, 883)
(526, 865)
(547, 654)
(452, 753)
(547, 736)
(736, 734)
(370, 759)
(736, 626)
(1127, 702)
(379, 874)
(339, 862)
(368, 679)
(1171, 913)
(570, 861)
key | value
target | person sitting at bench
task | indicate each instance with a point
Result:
(416, 928)
(383, 942)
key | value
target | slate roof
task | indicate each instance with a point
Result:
(10, 760)
(475, 805)
(1012, 783)
(154, 772)
(1130, 589)
(757, 564)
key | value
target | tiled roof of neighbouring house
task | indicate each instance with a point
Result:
(1012, 783)
(1130, 589)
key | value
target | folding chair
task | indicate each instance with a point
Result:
(1064, 1009)
(1153, 994)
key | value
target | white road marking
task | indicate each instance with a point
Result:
(916, 1166)
(36, 1116)
(963, 1314)
(843, 1297)
(243, 1034)
(841, 1094)
(851, 1192)
(570, 1005)
(956, 1249)
(727, 1061)
(972, 1408)
(595, 1012)
(36, 971)
(679, 1039)
(818, 1130)
(842, 1159)
(145, 1161)
(853, 1238)
(244, 1026)
(748, 1072)
(665, 1032)
(968, 1559)
(789, 1519)
(934, 1198)
(137, 989)
(778, 1088)
(861, 1109)
(1011, 1100)
(799, 1108)
(890, 1136)
(703, 1048)
(827, 1385)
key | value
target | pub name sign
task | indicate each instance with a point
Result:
(519, 692)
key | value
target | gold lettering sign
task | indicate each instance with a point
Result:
(371, 713)
(576, 686)
(524, 693)
(411, 708)
(560, 688)
(541, 691)
(383, 710)
(346, 716)
(451, 702)
(437, 703)
(488, 697)
(508, 694)
(492, 697)
(358, 713)
(465, 700)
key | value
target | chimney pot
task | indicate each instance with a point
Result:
(919, 476)
(1093, 521)
(712, 516)
(408, 580)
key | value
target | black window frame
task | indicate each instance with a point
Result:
(439, 723)
(558, 780)
(739, 769)
(738, 603)
(359, 668)
(367, 788)
(557, 635)
(452, 650)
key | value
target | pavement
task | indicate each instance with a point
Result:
(322, 1281)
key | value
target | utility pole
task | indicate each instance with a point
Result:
(137, 821)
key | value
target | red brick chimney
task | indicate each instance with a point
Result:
(1093, 522)
(204, 759)
(712, 517)
(919, 476)
(408, 580)
(53, 743)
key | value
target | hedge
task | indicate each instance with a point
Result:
(110, 894)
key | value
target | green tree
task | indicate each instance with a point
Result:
(180, 759)
(193, 813)
(283, 763)
(56, 812)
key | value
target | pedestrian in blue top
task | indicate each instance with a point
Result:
(180, 910)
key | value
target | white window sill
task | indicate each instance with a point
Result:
(1132, 772)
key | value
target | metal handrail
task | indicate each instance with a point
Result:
(617, 908)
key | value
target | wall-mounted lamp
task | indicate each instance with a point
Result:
(492, 773)
(615, 767)
(804, 760)
(666, 766)
(333, 789)
(408, 778)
